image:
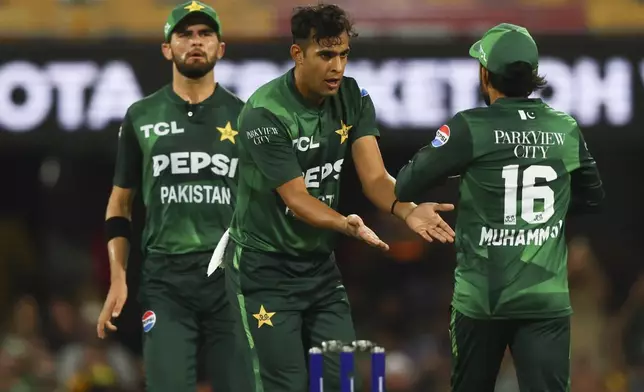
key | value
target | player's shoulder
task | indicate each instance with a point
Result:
(351, 89)
(272, 99)
(147, 103)
(474, 113)
(560, 115)
(269, 93)
(231, 98)
(462, 119)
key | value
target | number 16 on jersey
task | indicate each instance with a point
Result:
(529, 193)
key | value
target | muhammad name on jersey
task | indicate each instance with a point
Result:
(514, 237)
(193, 162)
(529, 144)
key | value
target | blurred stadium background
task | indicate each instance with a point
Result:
(70, 68)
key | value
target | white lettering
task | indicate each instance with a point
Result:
(486, 236)
(159, 164)
(116, 89)
(310, 178)
(612, 91)
(194, 162)
(161, 128)
(195, 194)
(113, 88)
(22, 117)
(179, 162)
(411, 94)
(305, 143)
(146, 130)
(198, 161)
(512, 237)
(71, 81)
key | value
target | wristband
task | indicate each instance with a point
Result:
(393, 205)
(117, 226)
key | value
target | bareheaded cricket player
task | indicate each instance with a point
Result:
(524, 167)
(178, 147)
(295, 133)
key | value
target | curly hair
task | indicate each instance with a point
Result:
(518, 81)
(320, 22)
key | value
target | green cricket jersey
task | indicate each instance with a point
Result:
(521, 164)
(283, 137)
(184, 159)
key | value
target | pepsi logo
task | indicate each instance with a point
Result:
(442, 136)
(148, 319)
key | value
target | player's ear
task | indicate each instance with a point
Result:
(166, 50)
(297, 54)
(485, 77)
(221, 50)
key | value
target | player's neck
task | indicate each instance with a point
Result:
(194, 90)
(494, 95)
(307, 94)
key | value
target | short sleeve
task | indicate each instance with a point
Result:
(269, 145)
(367, 125)
(447, 154)
(127, 172)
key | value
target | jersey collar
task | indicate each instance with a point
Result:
(174, 97)
(517, 101)
(306, 104)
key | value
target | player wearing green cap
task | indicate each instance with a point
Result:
(295, 133)
(178, 147)
(523, 168)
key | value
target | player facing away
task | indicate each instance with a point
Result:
(294, 135)
(178, 147)
(523, 166)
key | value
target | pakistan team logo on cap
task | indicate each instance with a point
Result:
(194, 6)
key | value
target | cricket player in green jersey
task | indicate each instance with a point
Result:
(294, 134)
(523, 167)
(178, 147)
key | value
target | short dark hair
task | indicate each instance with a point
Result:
(324, 21)
(519, 80)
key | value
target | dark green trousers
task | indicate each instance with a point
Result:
(283, 308)
(185, 311)
(540, 350)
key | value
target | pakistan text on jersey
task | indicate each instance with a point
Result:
(195, 194)
(514, 237)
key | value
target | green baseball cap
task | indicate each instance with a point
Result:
(503, 45)
(180, 12)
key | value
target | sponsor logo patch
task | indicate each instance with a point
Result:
(442, 136)
(149, 319)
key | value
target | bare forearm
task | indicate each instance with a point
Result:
(118, 248)
(381, 193)
(315, 213)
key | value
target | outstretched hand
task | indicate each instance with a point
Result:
(426, 222)
(355, 227)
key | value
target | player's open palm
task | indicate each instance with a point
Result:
(426, 221)
(112, 308)
(357, 229)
